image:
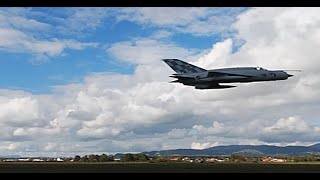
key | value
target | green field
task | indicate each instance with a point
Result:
(157, 168)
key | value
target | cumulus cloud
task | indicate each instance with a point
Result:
(280, 34)
(290, 129)
(290, 124)
(215, 129)
(20, 33)
(218, 57)
(20, 111)
(117, 112)
(148, 50)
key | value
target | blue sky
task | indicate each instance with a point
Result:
(37, 72)
(90, 80)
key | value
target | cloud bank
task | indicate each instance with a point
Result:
(110, 112)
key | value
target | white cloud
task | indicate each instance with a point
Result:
(197, 21)
(205, 145)
(290, 124)
(102, 132)
(163, 16)
(22, 23)
(9, 146)
(20, 111)
(12, 146)
(36, 132)
(216, 128)
(80, 20)
(148, 50)
(17, 41)
(21, 33)
(161, 34)
(177, 133)
(281, 35)
(218, 57)
(50, 146)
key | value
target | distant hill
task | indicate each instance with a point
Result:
(245, 150)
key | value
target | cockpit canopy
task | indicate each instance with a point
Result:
(260, 68)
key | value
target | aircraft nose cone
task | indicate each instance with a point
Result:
(290, 75)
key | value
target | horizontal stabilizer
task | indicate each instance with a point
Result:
(213, 86)
(182, 76)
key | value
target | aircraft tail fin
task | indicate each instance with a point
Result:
(183, 67)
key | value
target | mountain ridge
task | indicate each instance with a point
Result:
(246, 150)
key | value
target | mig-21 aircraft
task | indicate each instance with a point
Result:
(192, 75)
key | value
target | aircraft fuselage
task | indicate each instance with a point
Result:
(191, 75)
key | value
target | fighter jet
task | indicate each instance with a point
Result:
(192, 75)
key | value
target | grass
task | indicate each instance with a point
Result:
(114, 167)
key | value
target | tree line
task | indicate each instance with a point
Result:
(108, 158)
(129, 157)
(93, 158)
